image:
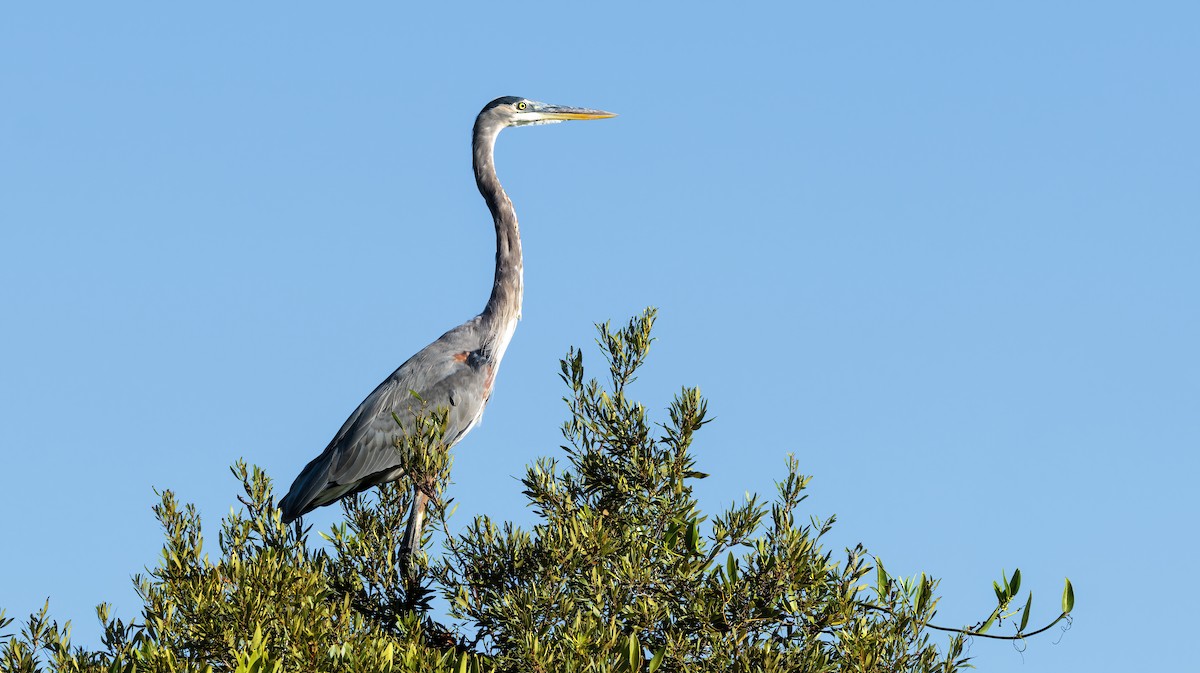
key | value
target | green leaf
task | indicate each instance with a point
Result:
(634, 652)
(731, 564)
(792, 605)
(1068, 602)
(672, 535)
(693, 537)
(1014, 585)
(988, 624)
(881, 578)
(1025, 613)
(1000, 595)
(658, 659)
(923, 591)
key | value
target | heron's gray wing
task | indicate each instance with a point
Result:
(363, 452)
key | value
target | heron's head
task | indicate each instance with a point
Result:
(514, 111)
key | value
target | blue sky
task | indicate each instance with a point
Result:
(946, 253)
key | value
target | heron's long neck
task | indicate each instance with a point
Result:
(504, 306)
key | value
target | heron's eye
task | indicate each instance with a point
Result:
(521, 105)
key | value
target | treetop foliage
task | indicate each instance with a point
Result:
(623, 571)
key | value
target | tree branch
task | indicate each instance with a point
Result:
(969, 632)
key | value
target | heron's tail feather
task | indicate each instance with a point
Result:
(323, 482)
(306, 492)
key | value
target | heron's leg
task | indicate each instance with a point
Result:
(416, 522)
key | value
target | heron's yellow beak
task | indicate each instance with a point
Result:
(588, 114)
(563, 113)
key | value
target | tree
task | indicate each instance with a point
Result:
(623, 572)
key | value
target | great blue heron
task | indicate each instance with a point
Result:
(457, 371)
